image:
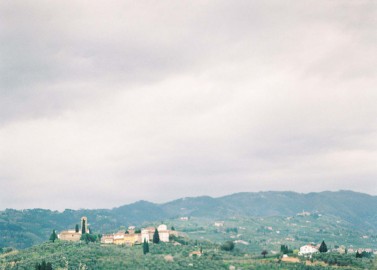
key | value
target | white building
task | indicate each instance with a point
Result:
(163, 233)
(145, 235)
(219, 224)
(307, 250)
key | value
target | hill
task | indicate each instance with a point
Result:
(24, 228)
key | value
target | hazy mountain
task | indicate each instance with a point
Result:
(23, 228)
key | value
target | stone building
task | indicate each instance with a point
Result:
(73, 235)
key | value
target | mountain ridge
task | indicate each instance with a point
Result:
(34, 225)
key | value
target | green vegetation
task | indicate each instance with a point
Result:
(227, 246)
(364, 254)
(43, 266)
(87, 237)
(70, 255)
(345, 260)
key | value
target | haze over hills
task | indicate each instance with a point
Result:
(23, 228)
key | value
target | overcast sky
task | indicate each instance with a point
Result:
(104, 103)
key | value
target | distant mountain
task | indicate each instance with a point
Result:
(23, 228)
(354, 207)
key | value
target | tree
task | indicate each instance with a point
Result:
(43, 266)
(323, 247)
(264, 253)
(83, 228)
(172, 228)
(145, 247)
(88, 238)
(156, 237)
(77, 228)
(227, 246)
(284, 249)
(53, 236)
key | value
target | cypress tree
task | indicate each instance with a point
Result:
(49, 266)
(156, 237)
(323, 247)
(77, 228)
(83, 231)
(145, 247)
(53, 236)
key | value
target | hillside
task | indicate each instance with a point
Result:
(68, 255)
(24, 228)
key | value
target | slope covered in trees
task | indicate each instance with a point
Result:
(23, 228)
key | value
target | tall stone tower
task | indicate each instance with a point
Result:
(84, 225)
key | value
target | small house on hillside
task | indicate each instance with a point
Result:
(307, 250)
(219, 224)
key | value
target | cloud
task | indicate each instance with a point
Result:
(107, 103)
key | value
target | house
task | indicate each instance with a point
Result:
(241, 242)
(131, 229)
(307, 250)
(163, 233)
(107, 239)
(303, 214)
(131, 238)
(145, 235)
(195, 254)
(219, 224)
(119, 238)
(69, 235)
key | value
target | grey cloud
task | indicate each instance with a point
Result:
(181, 98)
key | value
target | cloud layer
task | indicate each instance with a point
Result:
(106, 103)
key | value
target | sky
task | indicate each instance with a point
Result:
(104, 103)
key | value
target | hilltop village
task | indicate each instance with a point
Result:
(130, 237)
(209, 244)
